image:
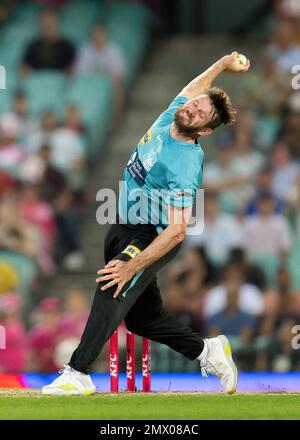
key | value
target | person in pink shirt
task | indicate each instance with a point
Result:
(39, 213)
(11, 152)
(44, 337)
(76, 313)
(13, 357)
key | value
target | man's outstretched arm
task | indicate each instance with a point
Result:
(228, 63)
(118, 273)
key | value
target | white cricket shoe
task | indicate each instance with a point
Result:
(69, 383)
(219, 363)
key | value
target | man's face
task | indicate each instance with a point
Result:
(99, 36)
(192, 117)
(49, 25)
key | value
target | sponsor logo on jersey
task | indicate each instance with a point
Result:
(136, 169)
(149, 162)
(147, 137)
(132, 251)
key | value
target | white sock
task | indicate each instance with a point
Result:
(203, 354)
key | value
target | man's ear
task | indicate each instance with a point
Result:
(205, 132)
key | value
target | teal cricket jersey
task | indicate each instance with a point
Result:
(162, 171)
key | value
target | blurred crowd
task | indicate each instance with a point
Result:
(44, 186)
(240, 276)
(43, 161)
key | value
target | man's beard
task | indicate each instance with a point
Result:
(183, 129)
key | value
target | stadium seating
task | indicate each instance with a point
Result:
(128, 25)
(93, 95)
(45, 90)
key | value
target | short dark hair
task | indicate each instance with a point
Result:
(225, 113)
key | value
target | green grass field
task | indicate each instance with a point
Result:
(29, 404)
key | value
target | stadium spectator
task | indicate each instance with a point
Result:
(7, 183)
(103, 56)
(67, 150)
(221, 233)
(183, 298)
(284, 51)
(232, 321)
(290, 130)
(267, 233)
(13, 359)
(7, 8)
(247, 160)
(239, 325)
(254, 274)
(202, 271)
(73, 120)
(276, 352)
(51, 181)
(222, 175)
(43, 135)
(68, 231)
(283, 356)
(264, 90)
(76, 313)
(15, 233)
(263, 184)
(11, 152)
(250, 299)
(38, 213)
(44, 336)
(285, 171)
(26, 123)
(54, 190)
(50, 51)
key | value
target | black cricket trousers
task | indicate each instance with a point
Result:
(139, 303)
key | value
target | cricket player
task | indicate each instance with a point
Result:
(168, 158)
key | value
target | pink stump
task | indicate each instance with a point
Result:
(114, 363)
(146, 366)
(130, 362)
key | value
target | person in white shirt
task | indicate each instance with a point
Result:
(224, 177)
(66, 146)
(250, 298)
(267, 233)
(222, 232)
(100, 56)
(286, 172)
(285, 53)
(103, 56)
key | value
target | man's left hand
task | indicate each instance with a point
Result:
(117, 273)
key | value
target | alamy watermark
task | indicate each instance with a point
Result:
(296, 338)
(2, 77)
(139, 206)
(296, 77)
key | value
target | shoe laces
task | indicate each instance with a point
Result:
(211, 369)
(204, 371)
(66, 369)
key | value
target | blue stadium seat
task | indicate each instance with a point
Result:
(45, 90)
(93, 95)
(293, 265)
(77, 19)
